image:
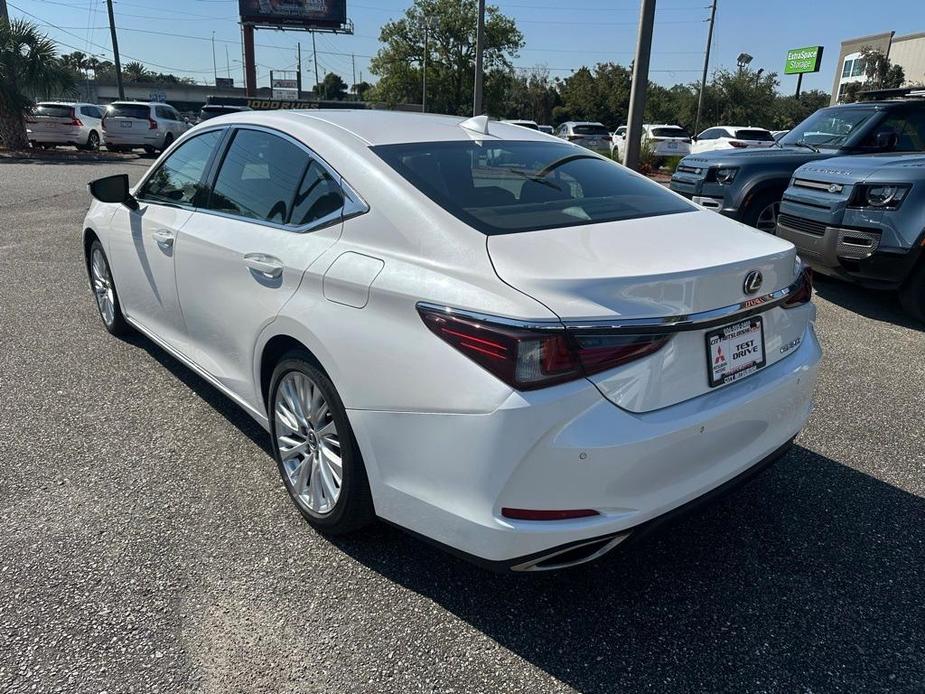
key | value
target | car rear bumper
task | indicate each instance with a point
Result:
(134, 139)
(447, 476)
(848, 253)
(62, 136)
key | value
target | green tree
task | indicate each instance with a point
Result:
(451, 27)
(136, 72)
(361, 90)
(791, 110)
(29, 66)
(880, 72)
(331, 87)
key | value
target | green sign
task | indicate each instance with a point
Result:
(800, 60)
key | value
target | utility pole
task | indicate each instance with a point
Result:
(640, 84)
(706, 67)
(479, 49)
(315, 59)
(353, 67)
(115, 48)
(214, 68)
(298, 75)
(227, 63)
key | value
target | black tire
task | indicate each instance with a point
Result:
(353, 508)
(149, 149)
(93, 142)
(168, 140)
(117, 325)
(912, 293)
(757, 209)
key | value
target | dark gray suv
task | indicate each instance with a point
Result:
(748, 184)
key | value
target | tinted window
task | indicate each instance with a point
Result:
(754, 134)
(53, 111)
(130, 111)
(319, 196)
(91, 111)
(513, 186)
(908, 129)
(587, 129)
(830, 127)
(177, 179)
(259, 177)
(669, 132)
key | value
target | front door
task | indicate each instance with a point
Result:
(142, 254)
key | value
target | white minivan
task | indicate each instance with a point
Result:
(53, 123)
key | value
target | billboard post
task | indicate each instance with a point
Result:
(250, 64)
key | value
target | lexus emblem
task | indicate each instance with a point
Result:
(752, 282)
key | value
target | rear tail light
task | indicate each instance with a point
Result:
(103, 121)
(529, 358)
(539, 515)
(74, 119)
(738, 143)
(803, 291)
(152, 124)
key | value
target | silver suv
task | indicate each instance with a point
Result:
(54, 123)
(128, 125)
(591, 135)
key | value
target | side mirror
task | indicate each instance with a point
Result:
(113, 189)
(887, 141)
(694, 138)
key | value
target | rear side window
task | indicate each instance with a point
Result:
(177, 180)
(515, 186)
(130, 111)
(669, 132)
(259, 177)
(590, 130)
(319, 196)
(91, 111)
(753, 134)
(53, 111)
(908, 128)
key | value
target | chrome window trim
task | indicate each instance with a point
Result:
(634, 326)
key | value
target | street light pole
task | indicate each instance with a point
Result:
(706, 67)
(479, 49)
(214, 68)
(640, 84)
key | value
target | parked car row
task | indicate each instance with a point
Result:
(846, 186)
(121, 126)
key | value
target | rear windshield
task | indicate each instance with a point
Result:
(512, 186)
(669, 132)
(130, 111)
(53, 111)
(754, 134)
(590, 130)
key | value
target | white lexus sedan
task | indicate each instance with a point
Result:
(501, 341)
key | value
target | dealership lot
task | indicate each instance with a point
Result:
(149, 545)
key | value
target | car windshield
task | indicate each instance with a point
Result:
(130, 111)
(753, 134)
(53, 110)
(588, 129)
(669, 132)
(513, 186)
(829, 127)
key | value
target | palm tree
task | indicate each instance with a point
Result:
(29, 65)
(135, 72)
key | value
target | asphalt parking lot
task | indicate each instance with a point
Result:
(148, 544)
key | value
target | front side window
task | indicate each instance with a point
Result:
(513, 186)
(259, 177)
(178, 180)
(908, 130)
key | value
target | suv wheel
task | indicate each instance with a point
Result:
(168, 139)
(762, 212)
(912, 293)
(315, 449)
(93, 142)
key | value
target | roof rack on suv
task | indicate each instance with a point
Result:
(900, 93)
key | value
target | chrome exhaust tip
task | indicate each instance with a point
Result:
(573, 555)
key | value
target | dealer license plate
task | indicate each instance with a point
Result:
(735, 351)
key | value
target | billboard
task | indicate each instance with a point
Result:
(301, 14)
(801, 60)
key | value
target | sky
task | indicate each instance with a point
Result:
(176, 35)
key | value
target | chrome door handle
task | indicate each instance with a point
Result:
(265, 265)
(164, 238)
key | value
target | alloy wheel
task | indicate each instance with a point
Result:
(93, 142)
(102, 287)
(767, 218)
(308, 443)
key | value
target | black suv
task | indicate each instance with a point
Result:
(747, 184)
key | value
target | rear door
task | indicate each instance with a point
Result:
(273, 209)
(134, 119)
(143, 244)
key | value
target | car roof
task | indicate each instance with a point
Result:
(139, 103)
(375, 127)
(743, 127)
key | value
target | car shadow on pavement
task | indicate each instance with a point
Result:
(876, 304)
(806, 579)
